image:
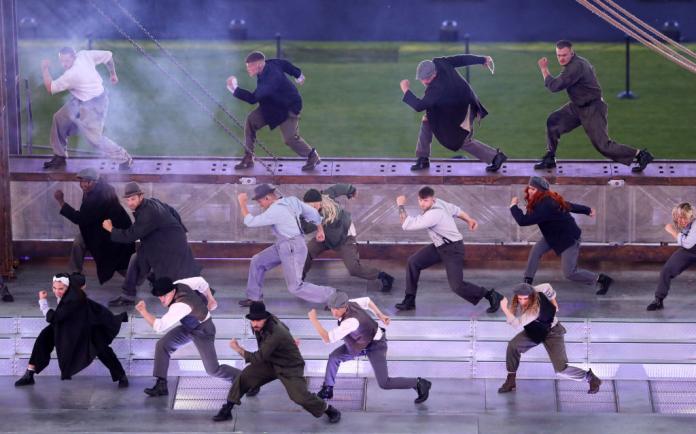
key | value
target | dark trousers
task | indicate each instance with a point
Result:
(289, 129)
(258, 374)
(680, 260)
(348, 252)
(452, 255)
(593, 119)
(376, 353)
(45, 343)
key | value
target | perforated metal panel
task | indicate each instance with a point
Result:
(8, 325)
(573, 397)
(673, 397)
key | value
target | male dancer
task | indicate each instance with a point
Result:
(451, 109)
(277, 358)
(289, 251)
(447, 247)
(362, 337)
(86, 110)
(586, 108)
(280, 105)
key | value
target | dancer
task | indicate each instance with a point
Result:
(451, 109)
(99, 202)
(163, 249)
(362, 337)
(534, 308)
(280, 105)
(289, 251)
(683, 232)
(447, 247)
(5, 293)
(79, 329)
(551, 213)
(339, 234)
(586, 108)
(278, 357)
(85, 112)
(188, 302)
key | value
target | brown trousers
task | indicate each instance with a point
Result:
(348, 252)
(290, 129)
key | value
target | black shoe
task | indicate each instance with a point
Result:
(159, 389)
(494, 298)
(409, 303)
(123, 382)
(326, 392)
(312, 160)
(643, 159)
(5, 293)
(509, 385)
(334, 415)
(253, 391)
(548, 161)
(225, 412)
(422, 163)
(594, 381)
(247, 302)
(126, 165)
(246, 162)
(121, 301)
(497, 162)
(528, 280)
(26, 380)
(604, 283)
(656, 305)
(55, 163)
(387, 281)
(423, 389)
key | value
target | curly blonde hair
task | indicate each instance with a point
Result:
(684, 210)
(329, 209)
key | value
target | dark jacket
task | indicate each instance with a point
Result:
(579, 80)
(98, 205)
(336, 232)
(275, 93)
(163, 244)
(557, 226)
(360, 338)
(278, 348)
(538, 329)
(447, 100)
(82, 327)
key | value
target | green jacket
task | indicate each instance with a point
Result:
(277, 347)
(337, 232)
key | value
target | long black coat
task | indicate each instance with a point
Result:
(98, 205)
(274, 92)
(447, 100)
(163, 244)
(81, 328)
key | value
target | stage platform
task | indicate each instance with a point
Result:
(647, 360)
(632, 209)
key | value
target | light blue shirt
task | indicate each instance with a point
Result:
(687, 237)
(284, 216)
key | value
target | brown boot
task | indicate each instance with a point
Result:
(509, 385)
(594, 382)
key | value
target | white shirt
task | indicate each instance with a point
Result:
(179, 310)
(43, 305)
(687, 238)
(283, 215)
(527, 317)
(438, 221)
(82, 79)
(351, 324)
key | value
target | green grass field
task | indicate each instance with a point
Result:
(353, 103)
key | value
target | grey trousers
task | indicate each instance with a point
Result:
(290, 254)
(376, 353)
(78, 250)
(474, 147)
(680, 260)
(348, 252)
(555, 346)
(290, 130)
(593, 119)
(569, 260)
(86, 119)
(135, 276)
(203, 338)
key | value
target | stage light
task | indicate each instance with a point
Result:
(238, 30)
(449, 31)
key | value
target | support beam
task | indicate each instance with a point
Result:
(9, 125)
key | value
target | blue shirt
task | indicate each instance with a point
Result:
(284, 215)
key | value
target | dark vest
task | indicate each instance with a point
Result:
(196, 301)
(359, 339)
(538, 329)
